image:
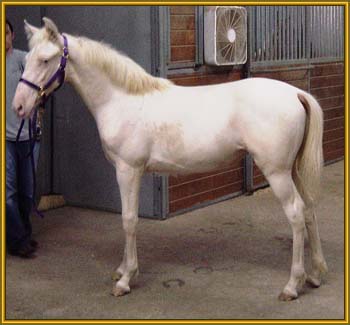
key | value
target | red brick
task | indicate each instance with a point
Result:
(335, 123)
(333, 135)
(183, 53)
(182, 10)
(182, 37)
(283, 75)
(332, 113)
(330, 91)
(327, 69)
(332, 155)
(325, 81)
(331, 102)
(182, 22)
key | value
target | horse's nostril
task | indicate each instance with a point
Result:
(20, 110)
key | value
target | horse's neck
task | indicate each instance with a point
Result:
(93, 85)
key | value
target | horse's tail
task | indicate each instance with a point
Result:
(309, 162)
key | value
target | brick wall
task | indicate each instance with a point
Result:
(327, 85)
(182, 34)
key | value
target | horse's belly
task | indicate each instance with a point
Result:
(191, 159)
(159, 165)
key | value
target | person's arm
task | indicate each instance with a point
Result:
(23, 60)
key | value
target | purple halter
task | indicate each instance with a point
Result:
(59, 75)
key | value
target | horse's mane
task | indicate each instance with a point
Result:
(120, 69)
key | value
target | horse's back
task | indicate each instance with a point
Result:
(257, 93)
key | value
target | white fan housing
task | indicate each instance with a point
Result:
(225, 35)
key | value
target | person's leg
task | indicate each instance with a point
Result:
(16, 235)
(25, 185)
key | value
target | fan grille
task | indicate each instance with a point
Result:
(231, 35)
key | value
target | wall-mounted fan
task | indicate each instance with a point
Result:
(225, 35)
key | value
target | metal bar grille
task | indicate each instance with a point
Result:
(296, 33)
(327, 30)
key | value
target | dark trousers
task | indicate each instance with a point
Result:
(19, 193)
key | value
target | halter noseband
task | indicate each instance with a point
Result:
(58, 75)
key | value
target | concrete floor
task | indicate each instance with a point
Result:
(226, 261)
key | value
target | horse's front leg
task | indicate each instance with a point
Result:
(129, 179)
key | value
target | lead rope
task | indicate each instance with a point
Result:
(32, 125)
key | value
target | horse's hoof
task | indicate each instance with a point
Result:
(116, 276)
(287, 296)
(313, 282)
(119, 291)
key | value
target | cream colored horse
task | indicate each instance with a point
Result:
(148, 124)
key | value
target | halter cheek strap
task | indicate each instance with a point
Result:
(60, 73)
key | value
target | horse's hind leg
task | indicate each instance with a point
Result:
(319, 265)
(283, 186)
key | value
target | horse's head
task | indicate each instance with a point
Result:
(42, 61)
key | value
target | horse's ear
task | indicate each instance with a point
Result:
(29, 29)
(51, 28)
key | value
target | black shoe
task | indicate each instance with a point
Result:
(34, 244)
(26, 251)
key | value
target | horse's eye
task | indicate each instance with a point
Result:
(46, 61)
